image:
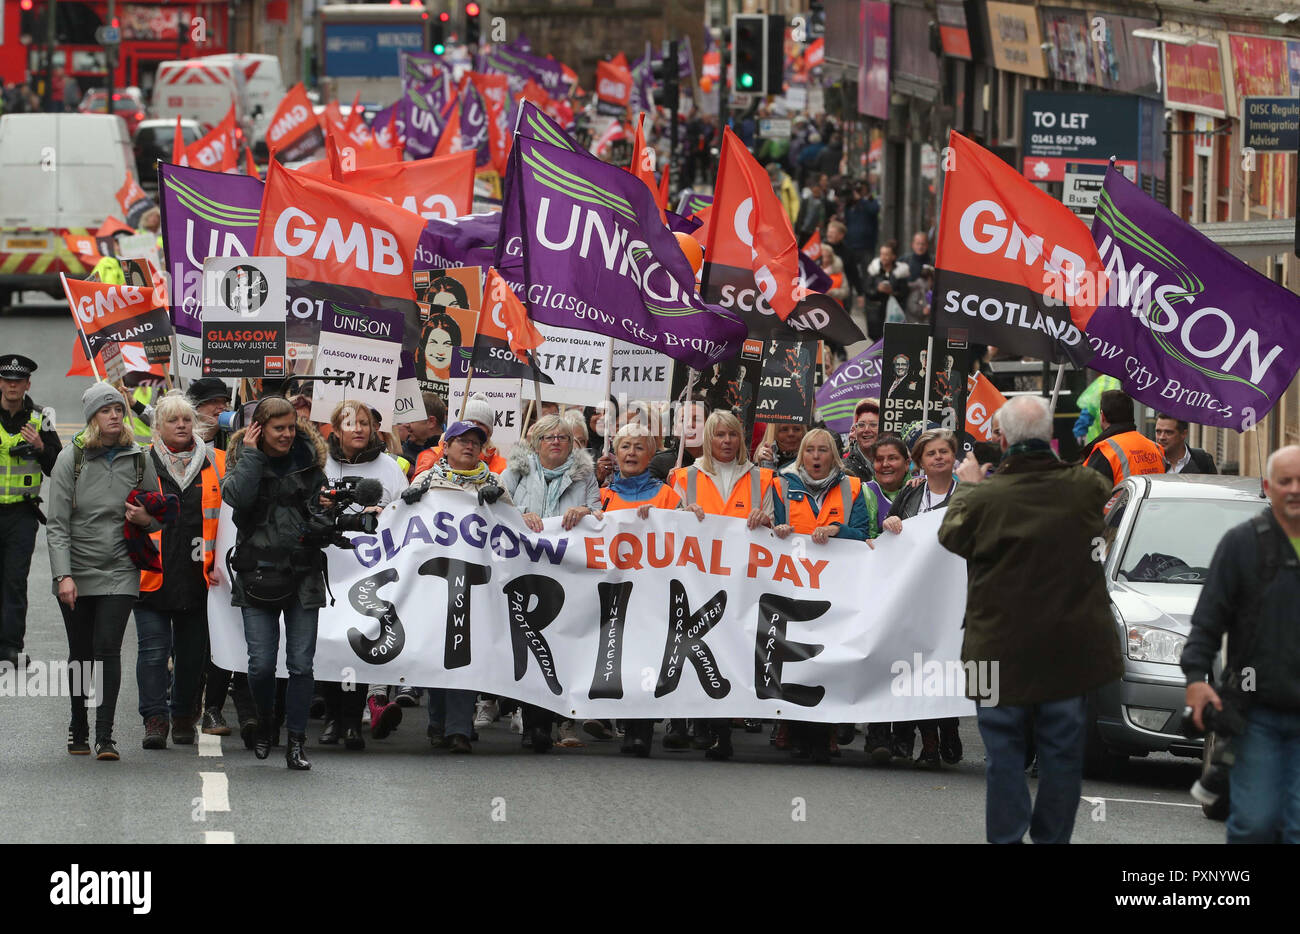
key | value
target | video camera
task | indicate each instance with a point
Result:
(326, 525)
(237, 418)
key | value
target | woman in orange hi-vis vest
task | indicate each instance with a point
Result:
(724, 482)
(815, 497)
(634, 487)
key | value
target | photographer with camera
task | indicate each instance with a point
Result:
(356, 451)
(1251, 594)
(451, 710)
(29, 445)
(274, 473)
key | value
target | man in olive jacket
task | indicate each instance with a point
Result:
(1037, 614)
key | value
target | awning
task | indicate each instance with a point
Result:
(1252, 240)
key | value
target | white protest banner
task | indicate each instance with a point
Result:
(363, 345)
(641, 373)
(504, 397)
(244, 311)
(622, 617)
(408, 403)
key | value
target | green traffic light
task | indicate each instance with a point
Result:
(439, 49)
(746, 80)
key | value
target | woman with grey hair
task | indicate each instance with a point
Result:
(550, 476)
(171, 616)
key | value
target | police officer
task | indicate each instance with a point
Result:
(28, 447)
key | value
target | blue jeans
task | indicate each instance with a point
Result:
(1264, 783)
(452, 711)
(1058, 732)
(262, 633)
(182, 635)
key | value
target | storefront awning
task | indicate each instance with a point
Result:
(1252, 240)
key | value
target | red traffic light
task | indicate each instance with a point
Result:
(471, 8)
(444, 16)
(26, 6)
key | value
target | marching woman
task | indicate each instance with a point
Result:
(935, 455)
(451, 710)
(817, 498)
(634, 487)
(171, 617)
(724, 482)
(95, 576)
(274, 469)
(549, 476)
(780, 446)
(356, 449)
(889, 460)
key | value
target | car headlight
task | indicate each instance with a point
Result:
(1149, 644)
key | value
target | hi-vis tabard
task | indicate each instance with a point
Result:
(697, 489)
(836, 507)
(666, 498)
(1132, 454)
(20, 477)
(210, 479)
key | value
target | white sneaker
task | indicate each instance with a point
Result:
(516, 720)
(485, 714)
(569, 735)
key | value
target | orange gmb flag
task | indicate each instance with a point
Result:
(755, 233)
(294, 132)
(334, 234)
(506, 312)
(438, 187)
(813, 248)
(179, 156)
(982, 400)
(1012, 262)
(121, 313)
(643, 165)
(218, 151)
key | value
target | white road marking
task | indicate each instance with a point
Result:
(1168, 804)
(218, 836)
(216, 793)
(209, 745)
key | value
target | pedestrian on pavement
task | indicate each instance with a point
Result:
(548, 476)
(815, 497)
(1250, 595)
(1171, 434)
(274, 470)
(171, 616)
(462, 468)
(95, 579)
(29, 446)
(633, 486)
(356, 450)
(724, 482)
(884, 281)
(1050, 635)
(1121, 451)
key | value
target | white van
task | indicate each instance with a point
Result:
(61, 176)
(263, 87)
(199, 90)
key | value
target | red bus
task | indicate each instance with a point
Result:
(152, 32)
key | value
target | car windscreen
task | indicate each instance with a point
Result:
(1173, 540)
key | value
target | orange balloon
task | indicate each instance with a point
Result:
(691, 247)
(706, 84)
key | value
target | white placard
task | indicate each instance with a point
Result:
(244, 288)
(504, 397)
(370, 363)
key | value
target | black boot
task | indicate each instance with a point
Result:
(352, 736)
(265, 736)
(721, 749)
(642, 734)
(330, 735)
(295, 756)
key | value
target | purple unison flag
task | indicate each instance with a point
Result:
(474, 124)
(458, 241)
(598, 258)
(536, 125)
(1186, 327)
(814, 277)
(420, 66)
(203, 214)
(853, 381)
(692, 202)
(422, 115)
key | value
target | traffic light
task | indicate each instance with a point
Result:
(666, 73)
(438, 35)
(472, 11)
(747, 52)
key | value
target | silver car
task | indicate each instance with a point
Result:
(1161, 533)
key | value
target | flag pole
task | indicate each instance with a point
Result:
(681, 416)
(80, 330)
(464, 400)
(1056, 390)
(925, 376)
(609, 383)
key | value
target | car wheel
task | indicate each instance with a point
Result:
(1099, 760)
